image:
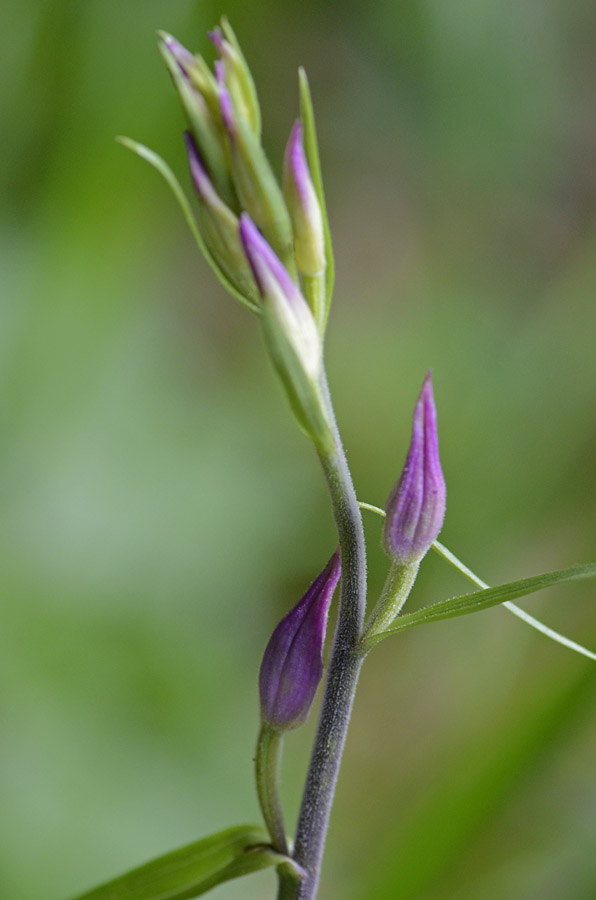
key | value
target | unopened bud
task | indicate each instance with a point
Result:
(416, 505)
(283, 298)
(304, 207)
(256, 186)
(219, 228)
(238, 78)
(292, 665)
(183, 57)
(186, 73)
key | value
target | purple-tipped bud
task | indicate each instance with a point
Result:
(416, 505)
(184, 58)
(237, 76)
(293, 662)
(216, 38)
(279, 291)
(303, 204)
(201, 180)
(225, 100)
(219, 228)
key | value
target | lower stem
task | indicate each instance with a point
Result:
(344, 669)
(268, 771)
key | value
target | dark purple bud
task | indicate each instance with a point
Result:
(293, 662)
(416, 505)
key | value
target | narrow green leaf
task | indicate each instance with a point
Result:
(194, 869)
(311, 148)
(512, 607)
(164, 170)
(479, 600)
(533, 622)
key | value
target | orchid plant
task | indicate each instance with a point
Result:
(268, 243)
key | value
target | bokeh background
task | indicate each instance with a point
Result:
(160, 511)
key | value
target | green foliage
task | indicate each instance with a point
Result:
(195, 869)
(484, 599)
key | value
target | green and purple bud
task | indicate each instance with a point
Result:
(416, 506)
(201, 106)
(237, 76)
(219, 228)
(304, 207)
(183, 57)
(282, 298)
(225, 101)
(291, 334)
(292, 665)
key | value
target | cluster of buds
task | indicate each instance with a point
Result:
(267, 241)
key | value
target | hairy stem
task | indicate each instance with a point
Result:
(342, 678)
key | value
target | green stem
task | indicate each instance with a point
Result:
(396, 589)
(268, 775)
(342, 678)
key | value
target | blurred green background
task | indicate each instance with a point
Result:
(160, 511)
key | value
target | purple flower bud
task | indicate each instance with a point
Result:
(293, 662)
(416, 506)
(283, 297)
(199, 175)
(219, 228)
(183, 57)
(225, 100)
(239, 82)
(216, 38)
(303, 204)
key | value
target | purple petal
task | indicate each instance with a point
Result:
(297, 166)
(225, 100)
(264, 262)
(217, 40)
(292, 665)
(198, 172)
(183, 57)
(416, 505)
